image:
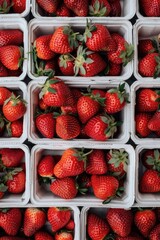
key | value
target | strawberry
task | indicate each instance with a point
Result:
(16, 182)
(97, 227)
(19, 6)
(63, 11)
(104, 187)
(50, 6)
(124, 51)
(11, 56)
(98, 93)
(46, 68)
(14, 73)
(10, 220)
(15, 129)
(101, 127)
(147, 100)
(63, 40)
(67, 127)
(141, 127)
(64, 235)
(41, 235)
(14, 108)
(96, 163)
(34, 219)
(145, 220)
(66, 64)
(120, 220)
(113, 69)
(41, 47)
(115, 8)
(70, 225)
(146, 46)
(45, 166)
(3, 71)
(155, 233)
(69, 109)
(11, 157)
(99, 8)
(154, 122)
(42, 105)
(151, 159)
(5, 6)
(58, 217)
(148, 66)
(84, 181)
(150, 182)
(116, 99)
(151, 8)
(11, 37)
(45, 123)
(79, 7)
(5, 93)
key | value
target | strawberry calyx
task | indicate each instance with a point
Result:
(81, 155)
(41, 71)
(3, 188)
(12, 172)
(88, 31)
(47, 87)
(121, 93)
(20, 62)
(118, 193)
(157, 69)
(82, 190)
(98, 9)
(109, 237)
(4, 8)
(15, 100)
(127, 54)
(64, 58)
(111, 125)
(72, 36)
(95, 97)
(45, 180)
(155, 160)
(119, 156)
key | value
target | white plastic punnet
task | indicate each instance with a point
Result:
(128, 11)
(145, 199)
(39, 27)
(43, 196)
(17, 15)
(18, 200)
(122, 136)
(21, 24)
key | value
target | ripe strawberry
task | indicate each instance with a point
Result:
(11, 37)
(11, 56)
(145, 220)
(14, 108)
(49, 6)
(150, 182)
(10, 220)
(67, 127)
(104, 187)
(148, 65)
(15, 129)
(5, 93)
(98, 93)
(146, 46)
(5, 6)
(155, 233)
(96, 163)
(151, 8)
(11, 157)
(64, 235)
(115, 8)
(99, 8)
(69, 110)
(34, 219)
(97, 227)
(113, 69)
(41, 235)
(45, 166)
(64, 40)
(79, 7)
(101, 127)
(147, 100)
(154, 122)
(141, 127)
(3, 71)
(63, 11)
(16, 182)
(124, 51)
(66, 64)
(45, 123)
(42, 105)
(116, 99)
(58, 217)
(70, 225)
(46, 68)
(19, 6)
(41, 47)
(151, 159)
(120, 220)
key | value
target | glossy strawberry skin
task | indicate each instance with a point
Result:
(11, 37)
(145, 46)
(147, 65)
(16, 128)
(45, 123)
(50, 6)
(19, 6)
(150, 182)
(63, 11)
(79, 7)
(113, 104)
(5, 93)
(41, 235)
(115, 8)
(114, 69)
(3, 71)
(11, 157)
(146, 100)
(17, 184)
(63, 236)
(154, 122)
(45, 166)
(142, 120)
(155, 233)
(151, 8)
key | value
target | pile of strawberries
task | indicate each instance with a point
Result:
(149, 8)
(95, 172)
(13, 108)
(147, 116)
(95, 51)
(12, 171)
(11, 52)
(81, 8)
(68, 113)
(12, 6)
(121, 224)
(34, 223)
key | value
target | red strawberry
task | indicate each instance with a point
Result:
(154, 122)
(3, 71)
(34, 219)
(99, 8)
(41, 235)
(147, 100)
(67, 127)
(97, 227)
(47, 68)
(64, 235)
(45, 166)
(16, 183)
(115, 8)
(98, 93)
(155, 233)
(63, 11)
(84, 181)
(66, 64)
(145, 220)
(69, 109)
(5, 93)
(113, 69)
(151, 8)
(151, 159)
(79, 7)
(146, 46)
(58, 217)
(45, 123)
(104, 187)
(150, 182)
(11, 56)
(65, 188)
(10, 220)
(41, 45)
(42, 105)
(11, 37)
(14, 108)
(5, 6)
(142, 120)
(70, 225)
(11, 157)
(120, 220)
(96, 163)
(101, 127)
(19, 6)
(50, 6)
(15, 129)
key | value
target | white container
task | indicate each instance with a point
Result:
(145, 199)
(122, 135)
(128, 11)
(134, 88)
(41, 196)
(144, 29)
(21, 90)
(21, 24)
(143, 17)
(18, 200)
(18, 15)
(39, 27)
